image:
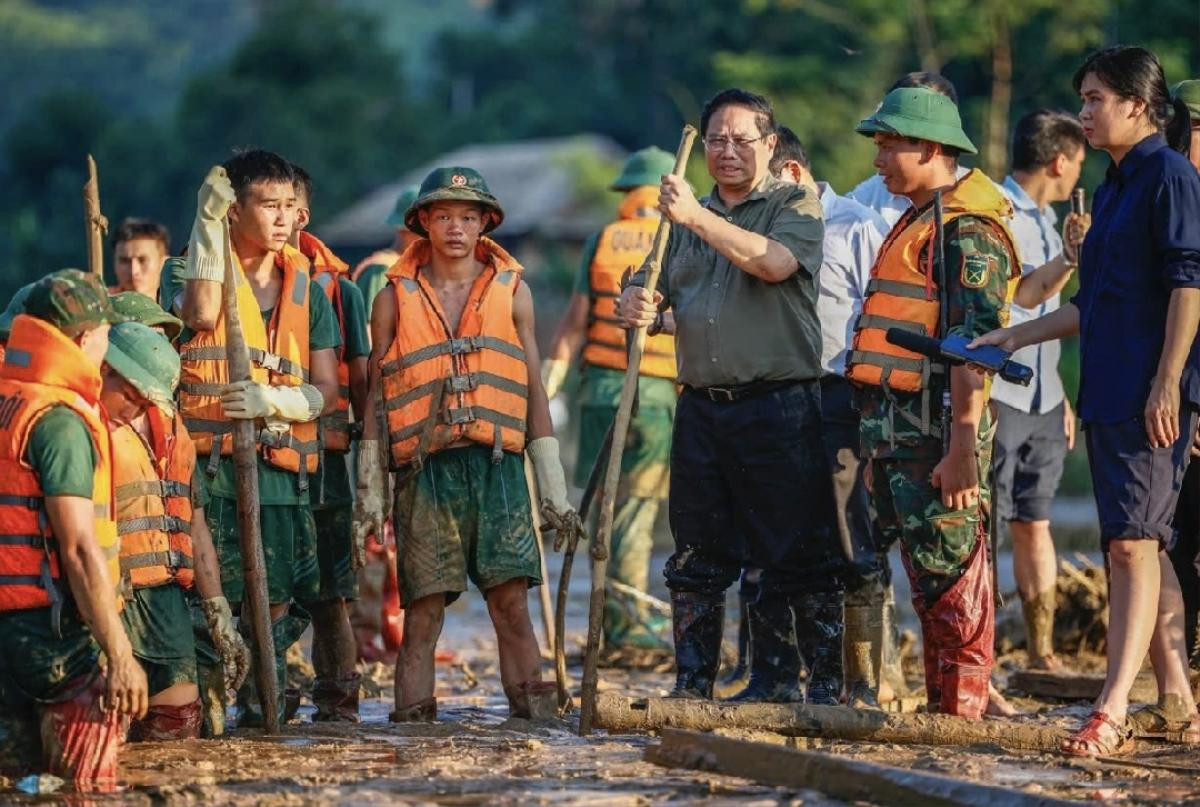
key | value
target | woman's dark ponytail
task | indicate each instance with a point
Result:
(1179, 129)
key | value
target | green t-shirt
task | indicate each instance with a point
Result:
(333, 483)
(370, 282)
(60, 451)
(276, 486)
(583, 278)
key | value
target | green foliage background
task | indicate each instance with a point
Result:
(359, 91)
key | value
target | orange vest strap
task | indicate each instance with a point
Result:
(453, 347)
(162, 488)
(156, 523)
(171, 558)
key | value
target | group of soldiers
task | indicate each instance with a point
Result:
(797, 442)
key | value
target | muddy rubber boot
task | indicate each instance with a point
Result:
(336, 699)
(1039, 628)
(533, 700)
(892, 668)
(698, 620)
(420, 712)
(740, 672)
(819, 631)
(863, 653)
(212, 701)
(774, 656)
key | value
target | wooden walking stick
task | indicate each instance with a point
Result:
(613, 473)
(94, 221)
(255, 603)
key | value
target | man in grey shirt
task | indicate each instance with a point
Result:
(750, 484)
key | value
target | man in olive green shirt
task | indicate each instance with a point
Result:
(750, 484)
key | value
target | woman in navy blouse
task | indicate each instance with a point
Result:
(1136, 313)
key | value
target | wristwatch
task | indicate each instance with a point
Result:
(655, 328)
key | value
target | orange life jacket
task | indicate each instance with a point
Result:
(442, 385)
(622, 247)
(154, 501)
(903, 292)
(43, 369)
(327, 268)
(278, 356)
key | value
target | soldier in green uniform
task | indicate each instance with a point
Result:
(928, 488)
(371, 272)
(587, 328)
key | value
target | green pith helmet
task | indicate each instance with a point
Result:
(72, 301)
(453, 184)
(137, 307)
(644, 167)
(920, 113)
(404, 201)
(15, 306)
(144, 358)
(1189, 92)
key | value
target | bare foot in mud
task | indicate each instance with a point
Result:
(998, 705)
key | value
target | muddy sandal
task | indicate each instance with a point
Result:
(1166, 720)
(1088, 741)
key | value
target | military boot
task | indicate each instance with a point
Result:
(699, 620)
(863, 649)
(819, 633)
(774, 654)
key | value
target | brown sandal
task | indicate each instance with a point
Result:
(1087, 741)
(1166, 720)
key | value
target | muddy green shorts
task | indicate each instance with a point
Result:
(462, 517)
(159, 624)
(289, 547)
(338, 578)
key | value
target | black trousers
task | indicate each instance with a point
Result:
(750, 487)
(1185, 555)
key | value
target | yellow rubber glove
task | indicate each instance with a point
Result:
(248, 400)
(368, 502)
(208, 243)
(554, 372)
(232, 649)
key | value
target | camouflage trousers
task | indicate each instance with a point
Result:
(936, 541)
(626, 619)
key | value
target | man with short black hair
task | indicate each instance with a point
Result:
(871, 191)
(1036, 425)
(749, 483)
(139, 248)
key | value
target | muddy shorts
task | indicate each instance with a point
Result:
(158, 622)
(462, 517)
(338, 578)
(1028, 455)
(1136, 486)
(289, 547)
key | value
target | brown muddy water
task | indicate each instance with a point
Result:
(475, 755)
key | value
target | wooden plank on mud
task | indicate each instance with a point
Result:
(840, 777)
(623, 713)
(1071, 686)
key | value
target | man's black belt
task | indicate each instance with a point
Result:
(740, 392)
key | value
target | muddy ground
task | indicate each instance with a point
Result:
(475, 755)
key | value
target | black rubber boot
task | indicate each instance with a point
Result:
(699, 620)
(819, 630)
(774, 654)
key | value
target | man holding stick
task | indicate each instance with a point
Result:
(292, 334)
(749, 482)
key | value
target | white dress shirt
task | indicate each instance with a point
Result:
(1038, 242)
(853, 236)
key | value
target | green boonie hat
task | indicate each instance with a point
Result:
(144, 358)
(644, 167)
(137, 307)
(454, 184)
(1189, 92)
(72, 301)
(404, 201)
(920, 113)
(15, 306)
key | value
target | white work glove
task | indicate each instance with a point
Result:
(209, 243)
(552, 485)
(249, 400)
(232, 649)
(368, 504)
(554, 372)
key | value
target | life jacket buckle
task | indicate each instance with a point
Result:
(271, 361)
(463, 344)
(463, 383)
(460, 415)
